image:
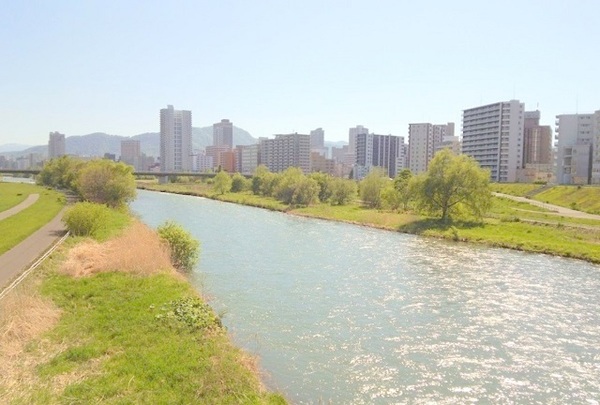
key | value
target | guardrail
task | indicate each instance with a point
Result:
(35, 264)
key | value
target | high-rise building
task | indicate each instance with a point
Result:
(352, 133)
(289, 150)
(56, 145)
(576, 135)
(175, 140)
(493, 136)
(131, 153)
(385, 151)
(596, 149)
(537, 140)
(247, 158)
(317, 138)
(223, 133)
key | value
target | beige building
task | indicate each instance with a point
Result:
(286, 150)
(223, 133)
(131, 153)
(423, 141)
(56, 145)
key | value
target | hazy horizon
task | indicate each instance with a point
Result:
(273, 67)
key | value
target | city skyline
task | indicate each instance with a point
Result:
(382, 65)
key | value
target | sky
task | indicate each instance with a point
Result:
(275, 67)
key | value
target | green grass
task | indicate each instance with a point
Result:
(123, 353)
(16, 228)
(582, 198)
(518, 189)
(509, 224)
(12, 194)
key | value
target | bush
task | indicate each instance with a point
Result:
(239, 183)
(190, 312)
(185, 250)
(222, 182)
(342, 191)
(86, 218)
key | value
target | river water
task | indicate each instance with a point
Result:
(340, 313)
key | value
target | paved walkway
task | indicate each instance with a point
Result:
(555, 209)
(29, 201)
(21, 256)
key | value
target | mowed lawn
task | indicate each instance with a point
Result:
(16, 228)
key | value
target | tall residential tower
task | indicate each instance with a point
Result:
(175, 140)
(493, 135)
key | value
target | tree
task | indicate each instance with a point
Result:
(453, 182)
(106, 182)
(370, 187)
(343, 191)
(402, 184)
(324, 182)
(264, 182)
(238, 183)
(61, 173)
(222, 182)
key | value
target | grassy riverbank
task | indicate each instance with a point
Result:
(16, 228)
(508, 224)
(111, 321)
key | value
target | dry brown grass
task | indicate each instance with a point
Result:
(138, 250)
(24, 317)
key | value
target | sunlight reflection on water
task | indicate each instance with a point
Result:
(348, 314)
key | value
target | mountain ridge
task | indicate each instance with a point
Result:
(99, 143)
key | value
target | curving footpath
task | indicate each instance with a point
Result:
(16, 260)
(554, 209)
(28, 202)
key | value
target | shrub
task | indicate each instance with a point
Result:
(184, 248)
(239, 183)
(342, 191)
(222, 182)
(191, 312)
(86, 218)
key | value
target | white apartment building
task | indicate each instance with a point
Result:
(289, 150)
(576, 149)
(56, 145)
(317, 139)
(350, 159)
(493, 135)
(596, 150)
(423, 141)
(175, 140)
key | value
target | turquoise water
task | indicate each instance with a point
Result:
(340, 313)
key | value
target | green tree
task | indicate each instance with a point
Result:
(370, 187)
(290, 179)
(343, 191)
(402, 184)
(238, 183)
(324, 182)
(60, 173)
(454, 183)
(264, 182)
(106, 182)
(222, 182)
(185, 250)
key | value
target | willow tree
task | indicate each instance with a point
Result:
(103, 181)
(454, 183)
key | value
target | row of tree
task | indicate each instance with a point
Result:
(453, 185)
(100, 181)
(290, 187)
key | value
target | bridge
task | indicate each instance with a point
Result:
(138, 173)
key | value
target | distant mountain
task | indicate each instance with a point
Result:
(13, 147)
(97, 144)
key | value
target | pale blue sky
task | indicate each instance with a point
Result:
(282, 66)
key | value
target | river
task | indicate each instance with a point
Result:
(340, 313)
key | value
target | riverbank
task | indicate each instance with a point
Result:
(112, 321)
(509, 224)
